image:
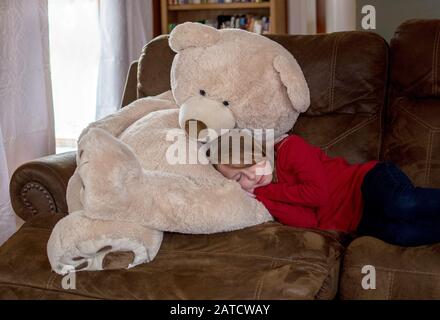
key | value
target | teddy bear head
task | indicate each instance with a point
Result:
(232, 78)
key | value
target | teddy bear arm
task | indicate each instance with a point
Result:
(117, 122)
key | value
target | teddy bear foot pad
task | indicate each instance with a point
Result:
(111, 261)
(100, 245)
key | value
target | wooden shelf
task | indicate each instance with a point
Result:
(220, 6)
(176, 14)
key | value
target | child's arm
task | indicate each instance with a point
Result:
(292, 215)
(302, 160)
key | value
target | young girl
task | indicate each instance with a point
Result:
(313, 190)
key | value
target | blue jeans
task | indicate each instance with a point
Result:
(396, 211)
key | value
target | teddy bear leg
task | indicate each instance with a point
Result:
(106, 166)
(78, 243)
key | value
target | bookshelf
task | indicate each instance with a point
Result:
(275, 10)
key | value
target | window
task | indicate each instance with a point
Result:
(74, 59)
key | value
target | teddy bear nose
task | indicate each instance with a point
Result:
(193, 127)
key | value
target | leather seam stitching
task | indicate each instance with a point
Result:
(418, 120)
(407, 91)
(51, 290)
(49, 283)
(428, 157)
(259, 288)
(383, 110)
(335, 264)
(390, 287)
(333, 73)
(379, 142)
(34, 229)
(357, 127)
(293, 260)
(330, 108)
(435, 61)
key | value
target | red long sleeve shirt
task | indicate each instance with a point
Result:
(314, 190)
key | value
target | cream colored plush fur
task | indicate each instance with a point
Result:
(124, 193)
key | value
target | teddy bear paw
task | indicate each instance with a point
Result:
(78, 243)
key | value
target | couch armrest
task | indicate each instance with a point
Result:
(39, 186)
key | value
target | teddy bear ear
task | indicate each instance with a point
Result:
(192, 34)
(293, 79)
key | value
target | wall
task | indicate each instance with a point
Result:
(391, 13)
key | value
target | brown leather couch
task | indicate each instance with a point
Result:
(411, 140)
(353, 78)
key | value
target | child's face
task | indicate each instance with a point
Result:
(249, 178)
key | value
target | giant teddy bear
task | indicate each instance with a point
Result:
(126, 192)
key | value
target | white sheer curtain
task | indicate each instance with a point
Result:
(125, 26)
(26, 116)
(301, 16)
(7, 218)
(74, 60)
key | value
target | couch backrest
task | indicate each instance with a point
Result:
(415, 59)
(347, 76)
(412, 138)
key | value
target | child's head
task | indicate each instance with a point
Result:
(250, 167)
(247, 176)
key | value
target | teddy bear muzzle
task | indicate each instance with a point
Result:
(199, 127)
(203, 117)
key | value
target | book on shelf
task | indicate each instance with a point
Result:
(249, 22)
(180, 2)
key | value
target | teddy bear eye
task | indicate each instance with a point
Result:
(225, 103)
(203, 92)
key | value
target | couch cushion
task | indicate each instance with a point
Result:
(401, 273)
(268, 261)
(415, 59)
(345, 71)
(413, 139)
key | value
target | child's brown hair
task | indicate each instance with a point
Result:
(249, 149)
